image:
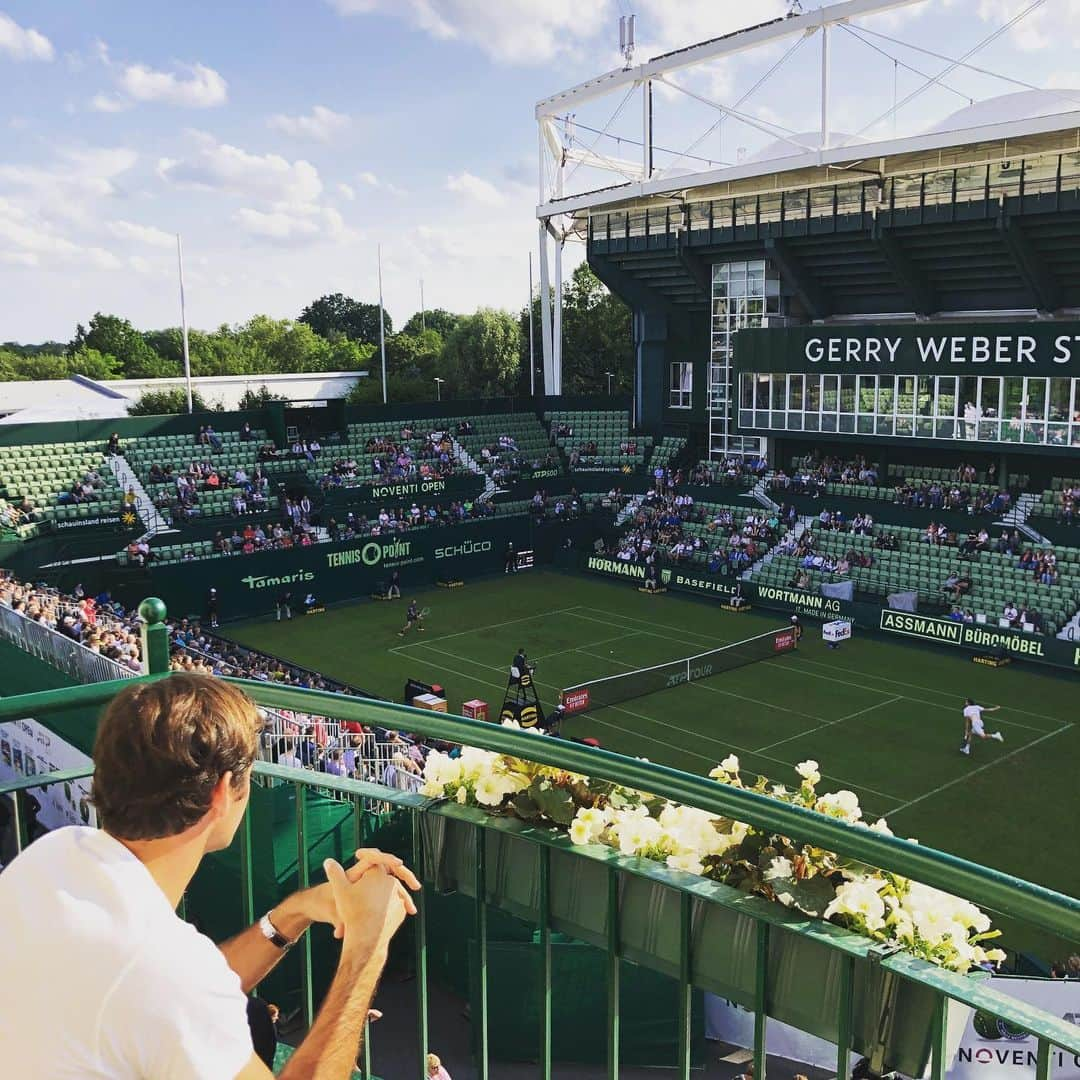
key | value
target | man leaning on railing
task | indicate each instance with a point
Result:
(107, 981)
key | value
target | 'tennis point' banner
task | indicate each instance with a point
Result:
(1049, 349)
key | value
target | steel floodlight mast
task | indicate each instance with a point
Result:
(557, 149)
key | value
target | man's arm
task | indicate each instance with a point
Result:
(991, 708)
(253, 957)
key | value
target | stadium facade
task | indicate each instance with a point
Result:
(920, 296)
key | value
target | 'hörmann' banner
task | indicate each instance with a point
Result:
(926, 348)
(974, 637)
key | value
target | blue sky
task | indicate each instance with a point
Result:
(284, 139)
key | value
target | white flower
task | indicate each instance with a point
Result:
(490, 790)
(779, 791)
(786, 899)
(780, 867)
(880, 826)
(808, 770)
(462, 795)
(730, 764)
(686, 861)
(580, 833)
(431, 788)
(859, 899)
(840, 804)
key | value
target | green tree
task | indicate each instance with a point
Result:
(414, 356)
(93, 364)
(596, 336)
(482, 356)
(112, 336)
(169, 402)
(259, 398)
(339, 314)
(437, 319)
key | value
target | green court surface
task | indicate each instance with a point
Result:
(882, 718)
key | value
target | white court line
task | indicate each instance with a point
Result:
(981, 768)
(796, 658)
(729, 746)
(589, 645)
(716, 690)
(488, 626)
(830, 723)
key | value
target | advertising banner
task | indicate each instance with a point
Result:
(249, 585)
(992, 1049)
(1029, 348)
(396, 492)
(931, 629)
(28, 748)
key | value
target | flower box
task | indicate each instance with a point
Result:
(892, 1017)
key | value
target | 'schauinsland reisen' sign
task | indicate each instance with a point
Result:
(931, 629)
(926, 348)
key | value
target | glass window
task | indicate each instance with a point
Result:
(867, 393)
(761, 392)
(779, 386)
(681, 392)
(813, 393)
(746, 391)
(847, 393)
(795, 392)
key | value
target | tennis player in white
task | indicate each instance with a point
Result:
(973, 724)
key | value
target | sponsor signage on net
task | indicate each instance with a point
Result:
(785, 641)
(576, 700)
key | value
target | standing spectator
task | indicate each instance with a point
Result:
(212, 609)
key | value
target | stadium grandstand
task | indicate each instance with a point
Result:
(647, 689)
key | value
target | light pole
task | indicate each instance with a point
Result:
(610, 375)
(438, 388)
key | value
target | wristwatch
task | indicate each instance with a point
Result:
(273, 935)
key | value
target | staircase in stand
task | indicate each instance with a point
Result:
(144, 505)
(629, 510)
(760, 492)
(461, 455)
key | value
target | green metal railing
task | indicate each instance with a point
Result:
(988, 888)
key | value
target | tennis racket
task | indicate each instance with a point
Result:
(425, 612)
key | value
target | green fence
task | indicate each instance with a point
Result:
(883, 1003)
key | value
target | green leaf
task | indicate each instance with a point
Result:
(554, 803)
(524, 807)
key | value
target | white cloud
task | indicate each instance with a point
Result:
(377, 182)
(23, 44)
(141, 234)
(30, 240)
(105, 103)
(201, 88)
(322, 124)
(291, 224)
(346, 192)
(220, 167)
(475, 188)
(510, 32)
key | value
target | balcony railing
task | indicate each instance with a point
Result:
(773, 926)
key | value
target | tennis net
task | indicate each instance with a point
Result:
(597, 693)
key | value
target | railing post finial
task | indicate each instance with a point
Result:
(155, 636)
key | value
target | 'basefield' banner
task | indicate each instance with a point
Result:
(934, 630)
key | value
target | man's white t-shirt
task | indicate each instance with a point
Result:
(974, 714)
(103, 979)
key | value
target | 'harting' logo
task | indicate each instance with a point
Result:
(265, 582)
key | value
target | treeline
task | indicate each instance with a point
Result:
(485, 354)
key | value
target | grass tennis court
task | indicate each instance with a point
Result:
(881, 717)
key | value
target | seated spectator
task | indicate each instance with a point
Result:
(1011, 613)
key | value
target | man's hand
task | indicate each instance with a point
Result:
(317, 904)
(371, 908)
